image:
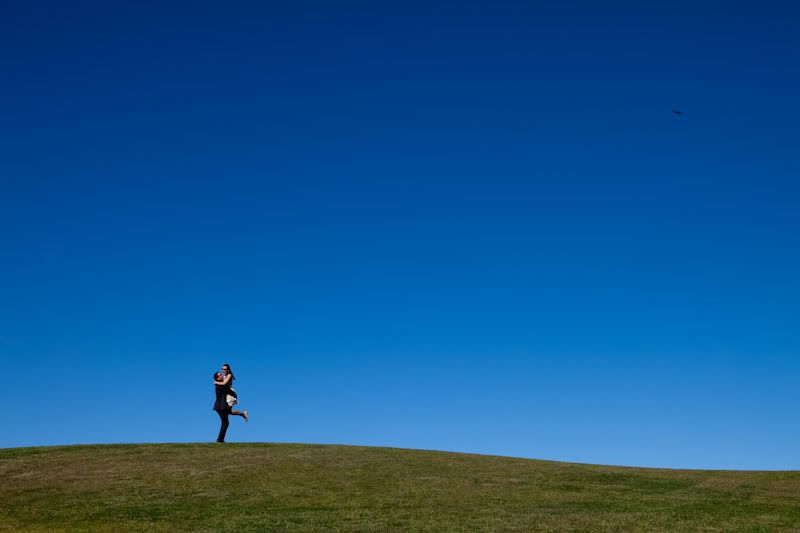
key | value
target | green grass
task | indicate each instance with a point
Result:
(294, 487)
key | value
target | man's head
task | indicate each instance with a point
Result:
(217, 376)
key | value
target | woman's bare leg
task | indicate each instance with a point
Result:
(243, 414)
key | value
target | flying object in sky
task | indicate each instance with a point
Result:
(677, 112)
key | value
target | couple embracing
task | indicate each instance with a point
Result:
(226, 399)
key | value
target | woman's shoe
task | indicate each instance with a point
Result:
(246, 417)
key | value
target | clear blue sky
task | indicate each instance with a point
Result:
(460, 226)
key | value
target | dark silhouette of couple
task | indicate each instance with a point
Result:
(226, 399)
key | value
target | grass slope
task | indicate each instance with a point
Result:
(293, 487)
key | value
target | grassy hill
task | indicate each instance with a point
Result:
(293, 487)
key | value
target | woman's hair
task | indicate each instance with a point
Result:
(230, 371)
(216, 376)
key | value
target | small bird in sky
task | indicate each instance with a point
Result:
(677, 112)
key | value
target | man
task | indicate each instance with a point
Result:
(226, 398)
(221, 405)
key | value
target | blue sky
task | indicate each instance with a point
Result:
(460, 226)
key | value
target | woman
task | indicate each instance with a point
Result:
(222, 385)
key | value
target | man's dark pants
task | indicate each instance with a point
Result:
(223, 417)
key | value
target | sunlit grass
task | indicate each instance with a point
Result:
(293, 487)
